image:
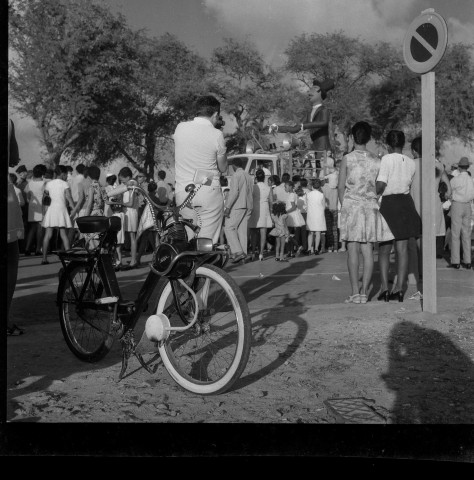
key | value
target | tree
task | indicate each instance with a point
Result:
(252, 91)
(396, 103)
(69, 63)
(166, 81)
(354, 65)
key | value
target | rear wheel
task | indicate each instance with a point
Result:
(211, 355)
(87, 328)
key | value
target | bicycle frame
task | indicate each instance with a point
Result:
(101, 259)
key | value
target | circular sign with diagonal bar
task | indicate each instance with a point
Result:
(425, 42)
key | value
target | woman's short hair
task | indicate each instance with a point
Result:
(361, 132)
(416, 145)
(60, 170)
(260, 175)
(111, 179)
(125, 172)
(278, 208)
(94, 172)
(223, 181)
(275, 180)
(395, 138)
(38, 171)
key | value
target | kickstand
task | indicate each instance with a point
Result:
(128, 348)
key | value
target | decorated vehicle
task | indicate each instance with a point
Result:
(291, 158)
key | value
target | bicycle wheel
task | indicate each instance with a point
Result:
(87, 330)
(211, 355)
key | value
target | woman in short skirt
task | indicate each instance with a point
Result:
(397, 207)
(57, 215)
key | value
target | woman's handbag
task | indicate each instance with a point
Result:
(46, 200)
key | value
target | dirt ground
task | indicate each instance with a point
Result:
(312, 361)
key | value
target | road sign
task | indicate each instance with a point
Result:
(425, 42)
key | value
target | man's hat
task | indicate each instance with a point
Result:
(324, 85)
(464, 162)
(21, 168)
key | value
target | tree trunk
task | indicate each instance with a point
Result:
(150, 146)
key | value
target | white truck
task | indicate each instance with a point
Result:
(278, 162)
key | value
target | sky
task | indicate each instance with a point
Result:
(270, 25)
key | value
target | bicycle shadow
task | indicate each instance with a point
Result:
(263, 329)
(432, 378)
(262, 333)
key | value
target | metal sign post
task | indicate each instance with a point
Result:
(428, 193)
(423, 47)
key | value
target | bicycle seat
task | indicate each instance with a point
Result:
(99, 224)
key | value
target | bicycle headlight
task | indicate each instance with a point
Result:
(164, 256)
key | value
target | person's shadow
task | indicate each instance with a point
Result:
(432, 378)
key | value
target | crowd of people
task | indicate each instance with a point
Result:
(52, 200)
(364, 201)
(361, 201)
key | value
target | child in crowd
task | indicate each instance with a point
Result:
(280, 231)
(295, 220)
(316, 222)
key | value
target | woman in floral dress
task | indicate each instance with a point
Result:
(361, 222)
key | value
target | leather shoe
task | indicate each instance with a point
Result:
(238, 258)
(467, 266)
(455, 265)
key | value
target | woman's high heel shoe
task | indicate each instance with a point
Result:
(384, 296)
(397, 296)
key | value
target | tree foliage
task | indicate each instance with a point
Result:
(166, 81)
(69, 63)
(396, 102)
(252, 91)
(94, 86)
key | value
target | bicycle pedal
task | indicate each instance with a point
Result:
(106, 300)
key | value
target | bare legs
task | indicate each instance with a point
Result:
(47, 237)
(263, 239)
(316, 236)
(401, 248)
(280, 248)
(353, 249)
(64, 237)
(34, 233)
(384, 263)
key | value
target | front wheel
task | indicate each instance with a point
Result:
(211, 355)
(87, 330)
